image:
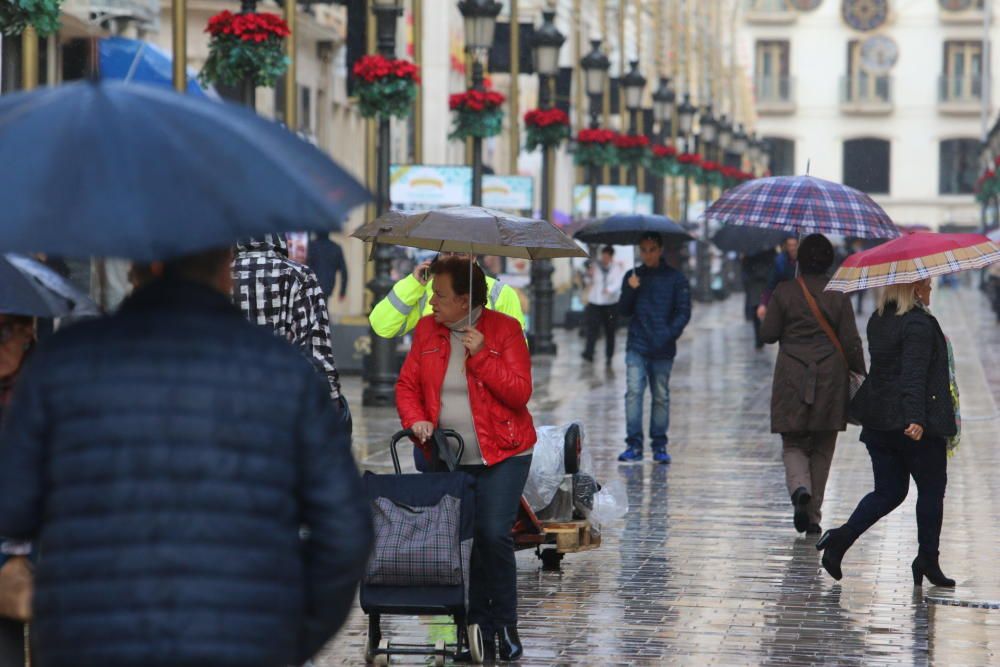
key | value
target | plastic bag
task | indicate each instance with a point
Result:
(547, 467)
(610, 503)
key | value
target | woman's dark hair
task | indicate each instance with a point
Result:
(815, 255)
(458, 269)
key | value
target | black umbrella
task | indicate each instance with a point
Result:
(628, 229)
(106, 169)
(748, 240)
(28, 287)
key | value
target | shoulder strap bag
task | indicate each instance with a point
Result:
(855, 380)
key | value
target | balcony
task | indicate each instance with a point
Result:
(770, 12)
(775, 95)
(866, 95)
(960, 95)
(145, 13)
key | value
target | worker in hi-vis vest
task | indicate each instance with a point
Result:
(410, 299)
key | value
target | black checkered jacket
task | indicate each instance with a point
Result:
(276, 292)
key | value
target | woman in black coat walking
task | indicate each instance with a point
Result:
(907, 410)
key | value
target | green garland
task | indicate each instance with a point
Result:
(388, 96)
(43, 15)
(477, 113)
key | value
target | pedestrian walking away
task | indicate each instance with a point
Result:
(605, 279)
(469, 370)
(908, 409)
(810, 392)
(326, 258)
(177, 465)
(756, 270)
(784, 269)
(657, 298)
(275, 292)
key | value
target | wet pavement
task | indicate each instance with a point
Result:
(706, 568)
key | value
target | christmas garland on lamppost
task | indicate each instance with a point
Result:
(987, 186)
(245, 46)
(596, 148)
(385, 86)
(710, 174)
(663, 161)
(633, 149)
(546, 128)
(43, 15)
(478, 113)
(689, 165)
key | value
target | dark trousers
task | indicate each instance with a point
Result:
(493, 586)
(601, 318)
(11, 643)
(896, 458)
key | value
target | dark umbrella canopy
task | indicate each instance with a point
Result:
(108, 169)
(629, 230)
(28, 287)
(748, 240)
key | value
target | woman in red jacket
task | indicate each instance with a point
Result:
(476, 380)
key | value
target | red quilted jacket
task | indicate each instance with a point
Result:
(499, 383)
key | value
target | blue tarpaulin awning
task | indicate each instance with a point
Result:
(136, 61)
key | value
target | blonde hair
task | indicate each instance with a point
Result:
(903, 295)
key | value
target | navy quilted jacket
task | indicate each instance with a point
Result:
(660, 309)
(165, 459)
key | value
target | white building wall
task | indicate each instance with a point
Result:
(818, 62)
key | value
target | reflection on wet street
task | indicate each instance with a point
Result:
(706, 567)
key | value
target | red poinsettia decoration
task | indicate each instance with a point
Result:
(478, 113)
(633, 149)
(374, 67)
(546, 128)
(595, 147)
(385, 86)
(249, 27)
(709, 165)
(661, 151)
(631, 141)
(476, 101)
(596, 136)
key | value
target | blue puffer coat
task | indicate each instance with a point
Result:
(660, 309)
(166, 459)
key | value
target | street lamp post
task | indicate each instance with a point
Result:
(634, 83)
(708, 135)
(725, 139)
(380, 388)
(480, 18)
(545, 49)
(664, 99)
(595, 67)
(685, 124)
(740, 145)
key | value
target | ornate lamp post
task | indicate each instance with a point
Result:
(740, 145)
(725, 138)
(756, 149)
(708, 134)
(595, 67)
(545, 49)
(634, 84)
(664, 101)
(380, 387)
(685, 124)
(480, 22)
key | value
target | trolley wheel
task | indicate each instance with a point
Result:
(476, 650)
(382, 659)
(551, 560)
(439, 651)
(572, 449)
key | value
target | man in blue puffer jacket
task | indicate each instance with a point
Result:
(165, 460)
(658, 300)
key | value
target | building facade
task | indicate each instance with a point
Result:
(887, 96)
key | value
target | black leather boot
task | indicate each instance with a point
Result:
(509, 645)
(925, 565)
(800, 501)
(834, 544)
(489, 649)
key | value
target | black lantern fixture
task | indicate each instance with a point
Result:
(685, 118)
(725, 133)
(664, 100)
(480, 23)
(740, 142)
(634, 84)
(380, 372)
(545, 51)
(708, 126)
(595, 66)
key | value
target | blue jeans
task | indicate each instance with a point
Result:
(641, 371)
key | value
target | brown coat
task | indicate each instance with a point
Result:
(810, 391)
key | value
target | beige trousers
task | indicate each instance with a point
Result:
(807, 458)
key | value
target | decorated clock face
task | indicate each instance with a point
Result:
(955, 5)
(865, 15)
(805, 5)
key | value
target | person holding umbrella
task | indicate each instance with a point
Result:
(908, 406)
(605, 278)
(819, 346)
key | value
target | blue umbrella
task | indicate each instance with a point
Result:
(748, 240)
(113, 170)
(28, 287)
(136, 61)
(628, 229)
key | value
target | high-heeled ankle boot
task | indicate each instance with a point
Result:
(834, 544)
(925, 565)
(509, 645)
